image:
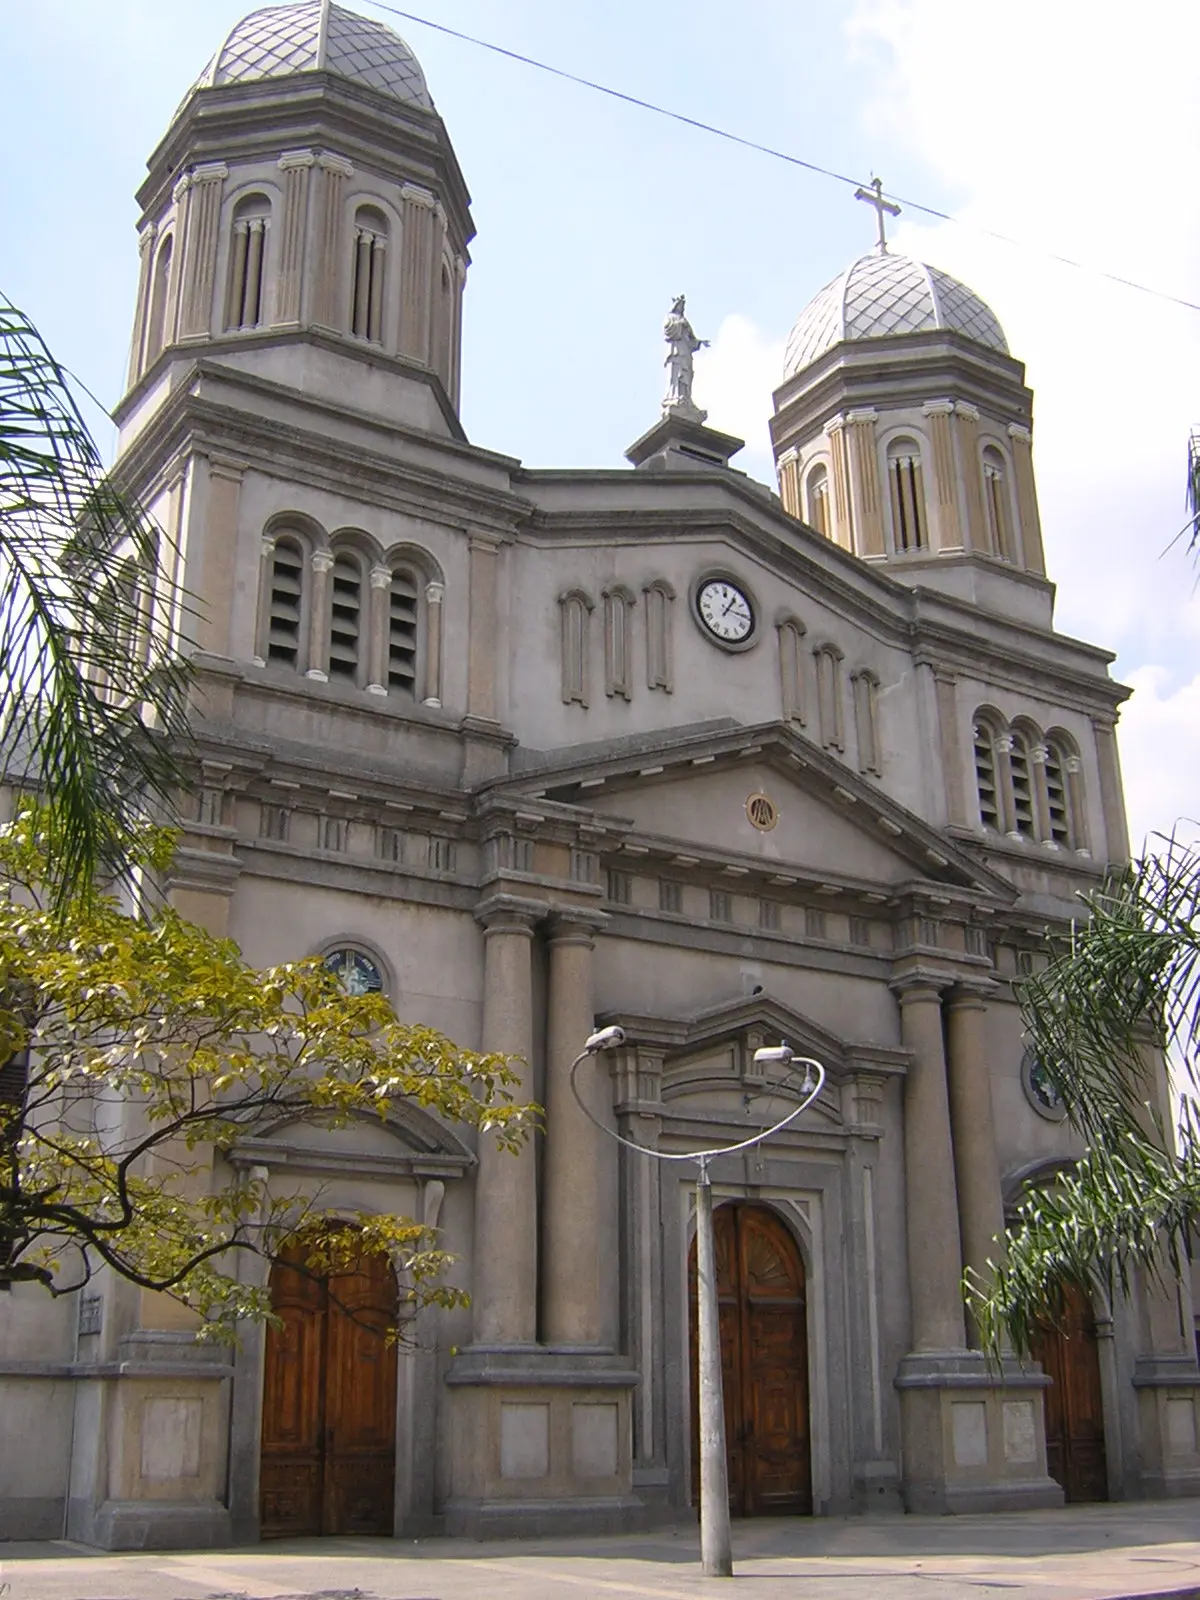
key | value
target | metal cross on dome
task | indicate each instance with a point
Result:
(873, 195)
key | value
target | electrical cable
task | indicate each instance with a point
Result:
(779, 155)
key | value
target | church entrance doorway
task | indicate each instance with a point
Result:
(764, 1360)
(1070, 1357)
(329, 1402)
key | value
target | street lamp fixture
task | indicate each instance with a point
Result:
(716, 1552)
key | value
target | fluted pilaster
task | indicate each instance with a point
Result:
(418, 229)
(1030, 532)
(202, 217)
(297, 167)
(948, 526)
(864, 484)
(329, 241)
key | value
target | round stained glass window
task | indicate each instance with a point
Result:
(356, 972)
(1039, 1088)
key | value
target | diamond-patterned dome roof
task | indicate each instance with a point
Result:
(883, 293)
(316, 36)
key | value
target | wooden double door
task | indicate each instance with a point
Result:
(329, 1402)
(764, 1361)
(1070, 1357)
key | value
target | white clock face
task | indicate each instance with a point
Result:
(725, 611)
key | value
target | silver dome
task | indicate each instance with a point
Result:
(884, 293)
(316, 36)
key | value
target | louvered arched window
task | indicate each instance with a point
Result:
(285, 602)
(247, 262)
(816, 495)
(369, 270)
(403, 618)
(156, 328)
(906, 487)
(996, 504)
(987, 784)
(346, 619)
(1024, 816)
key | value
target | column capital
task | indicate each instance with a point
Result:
(338, 165)
(863, 415)
(435, 593)
(1019, 433)
(1038, 754)
(937, 408)
(970, 994)
(919, 985)
(297, 158)
(381, 577)
(966, 410)
(417, 196)
(509, 913)
(268, 548)
(209, 172)
(321, 560)
(576, 925)
(836, 423)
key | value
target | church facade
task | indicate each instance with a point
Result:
(539, 751)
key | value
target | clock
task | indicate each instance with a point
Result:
(725, 611)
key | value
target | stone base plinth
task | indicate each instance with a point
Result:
(974, 1436)
(542, 1443)
(152, 1525)
(1168, 1409)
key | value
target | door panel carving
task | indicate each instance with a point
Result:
(329, 1402)
(764, 1362)
(1070, 1357)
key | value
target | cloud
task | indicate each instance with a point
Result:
(1160, 756)
(734, 381)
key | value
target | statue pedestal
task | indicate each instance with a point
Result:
(680, 442)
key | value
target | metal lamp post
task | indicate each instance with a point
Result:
(716, 1553)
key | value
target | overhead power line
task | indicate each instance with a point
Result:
(778, 155)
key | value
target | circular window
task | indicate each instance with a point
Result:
(762, 812)
(1039, 1088)
(356, 972)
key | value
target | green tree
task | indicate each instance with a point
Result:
(92, 701)
(142, 1049)
(1115, 998)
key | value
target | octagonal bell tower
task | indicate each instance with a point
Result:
(305, 219)
(902, 431)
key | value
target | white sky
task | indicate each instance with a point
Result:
(1076, 128)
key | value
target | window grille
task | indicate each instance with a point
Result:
(389, 844)
(370, 246)
(442, 854)
(720, 905)
(273, 822)
(670, 896)
(620, 887)
(1022, 788)
(985, 777)
(333, 833)
(287, 593)
(908, 496)
(860, 931)
(1057, 802)
(246, 262)
(768, 914)
(345, 620)
(814, 922)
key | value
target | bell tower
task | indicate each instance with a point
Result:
(305, 220)
(902, 431)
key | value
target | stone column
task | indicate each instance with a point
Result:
(321, 562)
(931, 1204)
(1029, 535)
(505, 1263)
(945, 475)
(435, 593)
(201, 237)
(1116, 830)
(579, 1213)
(789, 483)
(1077, 806)
(377, 639)
(976, 1164)
(1041, 794)
(262, 626)
(328, 250)
(843, 518)
(950, 746)
(146, 242)
(296, 166)
(416, 271)
(966, 419)
(864, 485)
(1004, 786)
(481, 649)
(220, 555)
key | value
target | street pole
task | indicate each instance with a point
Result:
(716, 1550)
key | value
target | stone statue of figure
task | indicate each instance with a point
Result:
(682, 345)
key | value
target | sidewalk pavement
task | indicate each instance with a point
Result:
(1080, 1553)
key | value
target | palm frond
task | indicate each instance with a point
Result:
(92, 697)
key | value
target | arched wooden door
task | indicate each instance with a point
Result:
(764, 1360)
(1070, 1357)
(329, 1402)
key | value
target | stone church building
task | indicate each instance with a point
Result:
(536, 751)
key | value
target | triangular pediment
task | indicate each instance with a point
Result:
(406, 1142)
(693, 790)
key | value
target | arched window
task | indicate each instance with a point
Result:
(575, 608)
(618, 642)
(1065, 809)
(156, 328)
(247, 260)
(403, 615)
(285, 602)
(443, 336)
(987, 775)
(907, 490)
(346, 618)
(792, 686)
(816, 494)
(996, 504)
(659, 597)
(828, 661)
(1020, 768)
(865, 688)
(370, 250)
